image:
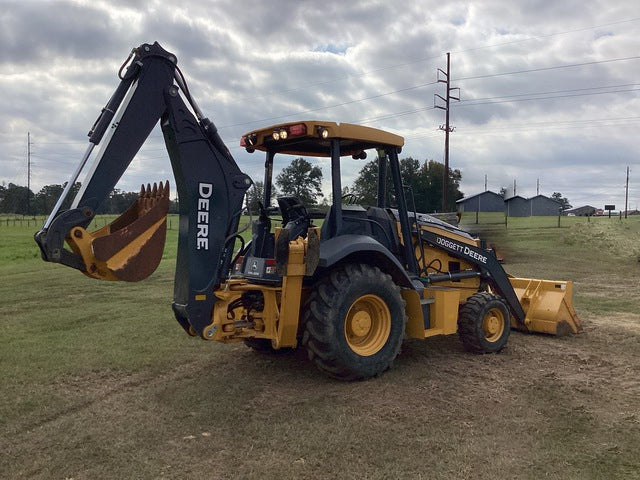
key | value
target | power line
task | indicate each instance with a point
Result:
(471, 102)
(327, 107)
(555, 91)
(546, 97)
(544, 69)
(393, 115)
(506, 99)
(414, 87)
(501, 129)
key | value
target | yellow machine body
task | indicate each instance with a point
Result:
(433, 311)
(279, 320)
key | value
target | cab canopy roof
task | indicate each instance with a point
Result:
(313, 138)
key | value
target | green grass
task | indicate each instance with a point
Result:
(99, 381)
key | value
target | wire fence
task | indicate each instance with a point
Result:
(467, 220)
(494, 220)
(98, 222)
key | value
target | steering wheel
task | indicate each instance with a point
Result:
(349, 199)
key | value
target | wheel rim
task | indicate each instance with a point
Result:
(367, 325)
(493, 324)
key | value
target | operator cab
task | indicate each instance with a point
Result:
(346, 216)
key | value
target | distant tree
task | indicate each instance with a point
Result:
(117, 202)
(563, 201)
(255, 195)
(365, 186)
(123, 200)
(301, 179)
(48, 196)
(16, 199)
(73, 191)
(174, 206)
(412, 179)
(425, 181)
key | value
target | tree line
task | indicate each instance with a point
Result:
(423, 182)
(20, 200)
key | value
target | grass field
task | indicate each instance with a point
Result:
(99, 381)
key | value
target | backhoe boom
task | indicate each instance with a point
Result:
(210, 187)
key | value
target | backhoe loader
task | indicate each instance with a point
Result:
(348, 287)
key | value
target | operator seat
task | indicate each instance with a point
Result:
(295, 217)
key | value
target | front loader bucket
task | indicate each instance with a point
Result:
(129, 248)
(548, 306)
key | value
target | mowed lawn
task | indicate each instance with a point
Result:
(99, 381)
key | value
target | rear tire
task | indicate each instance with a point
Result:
(354, 322)
(484, 323)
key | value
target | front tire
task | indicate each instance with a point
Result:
(354, 322)
(484, 323)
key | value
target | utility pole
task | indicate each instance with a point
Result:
(485, 182)
(446, 127)
(626, 195)
(538, 187)
(28, 173)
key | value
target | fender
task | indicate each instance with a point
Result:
(363, 249)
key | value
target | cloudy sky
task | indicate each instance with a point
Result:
(549, 89)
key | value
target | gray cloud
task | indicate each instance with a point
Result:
(252, 63)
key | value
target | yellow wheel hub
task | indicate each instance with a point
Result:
(367, 325)
(493, 325)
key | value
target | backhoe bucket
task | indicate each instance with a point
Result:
(548, 306)
(130, 248)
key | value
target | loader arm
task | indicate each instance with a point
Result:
(488, 265)
(210, 188)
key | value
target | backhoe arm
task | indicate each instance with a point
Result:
(210, 188)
